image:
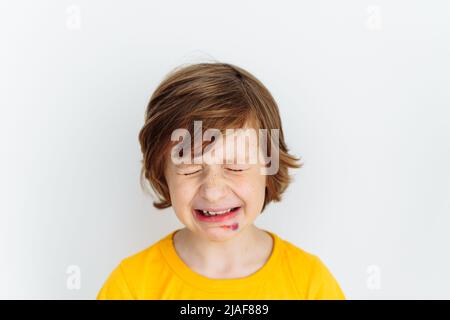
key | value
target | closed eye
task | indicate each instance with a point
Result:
(191, 173)
(235, 170)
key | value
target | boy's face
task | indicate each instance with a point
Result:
(218, 187)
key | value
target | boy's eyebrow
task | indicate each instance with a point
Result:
(235, 159)
(226, 161)
(182, 165)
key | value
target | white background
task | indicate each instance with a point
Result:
(363, 91)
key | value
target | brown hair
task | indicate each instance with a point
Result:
(221, 95)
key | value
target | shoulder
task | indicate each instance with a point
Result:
(145, 259)
(127, 279)
(310, 274)
(297, 255)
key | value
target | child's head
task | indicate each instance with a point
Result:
(190, 103)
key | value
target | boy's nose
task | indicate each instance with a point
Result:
(214, 187)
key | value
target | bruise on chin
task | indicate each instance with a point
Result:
(233, 227)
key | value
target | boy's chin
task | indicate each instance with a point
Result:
(222, 233)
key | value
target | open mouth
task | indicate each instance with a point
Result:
(216, 216)
(215, 213)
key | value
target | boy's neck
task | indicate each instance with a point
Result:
(238, 256)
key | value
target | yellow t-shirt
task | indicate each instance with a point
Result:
(159, 273)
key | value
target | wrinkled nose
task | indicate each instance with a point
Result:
(214, 187)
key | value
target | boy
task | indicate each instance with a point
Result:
(217, 191)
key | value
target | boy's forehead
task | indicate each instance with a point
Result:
(229, 144)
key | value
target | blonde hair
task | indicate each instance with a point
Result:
(221, 95)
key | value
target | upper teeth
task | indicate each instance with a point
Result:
(216, 212)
